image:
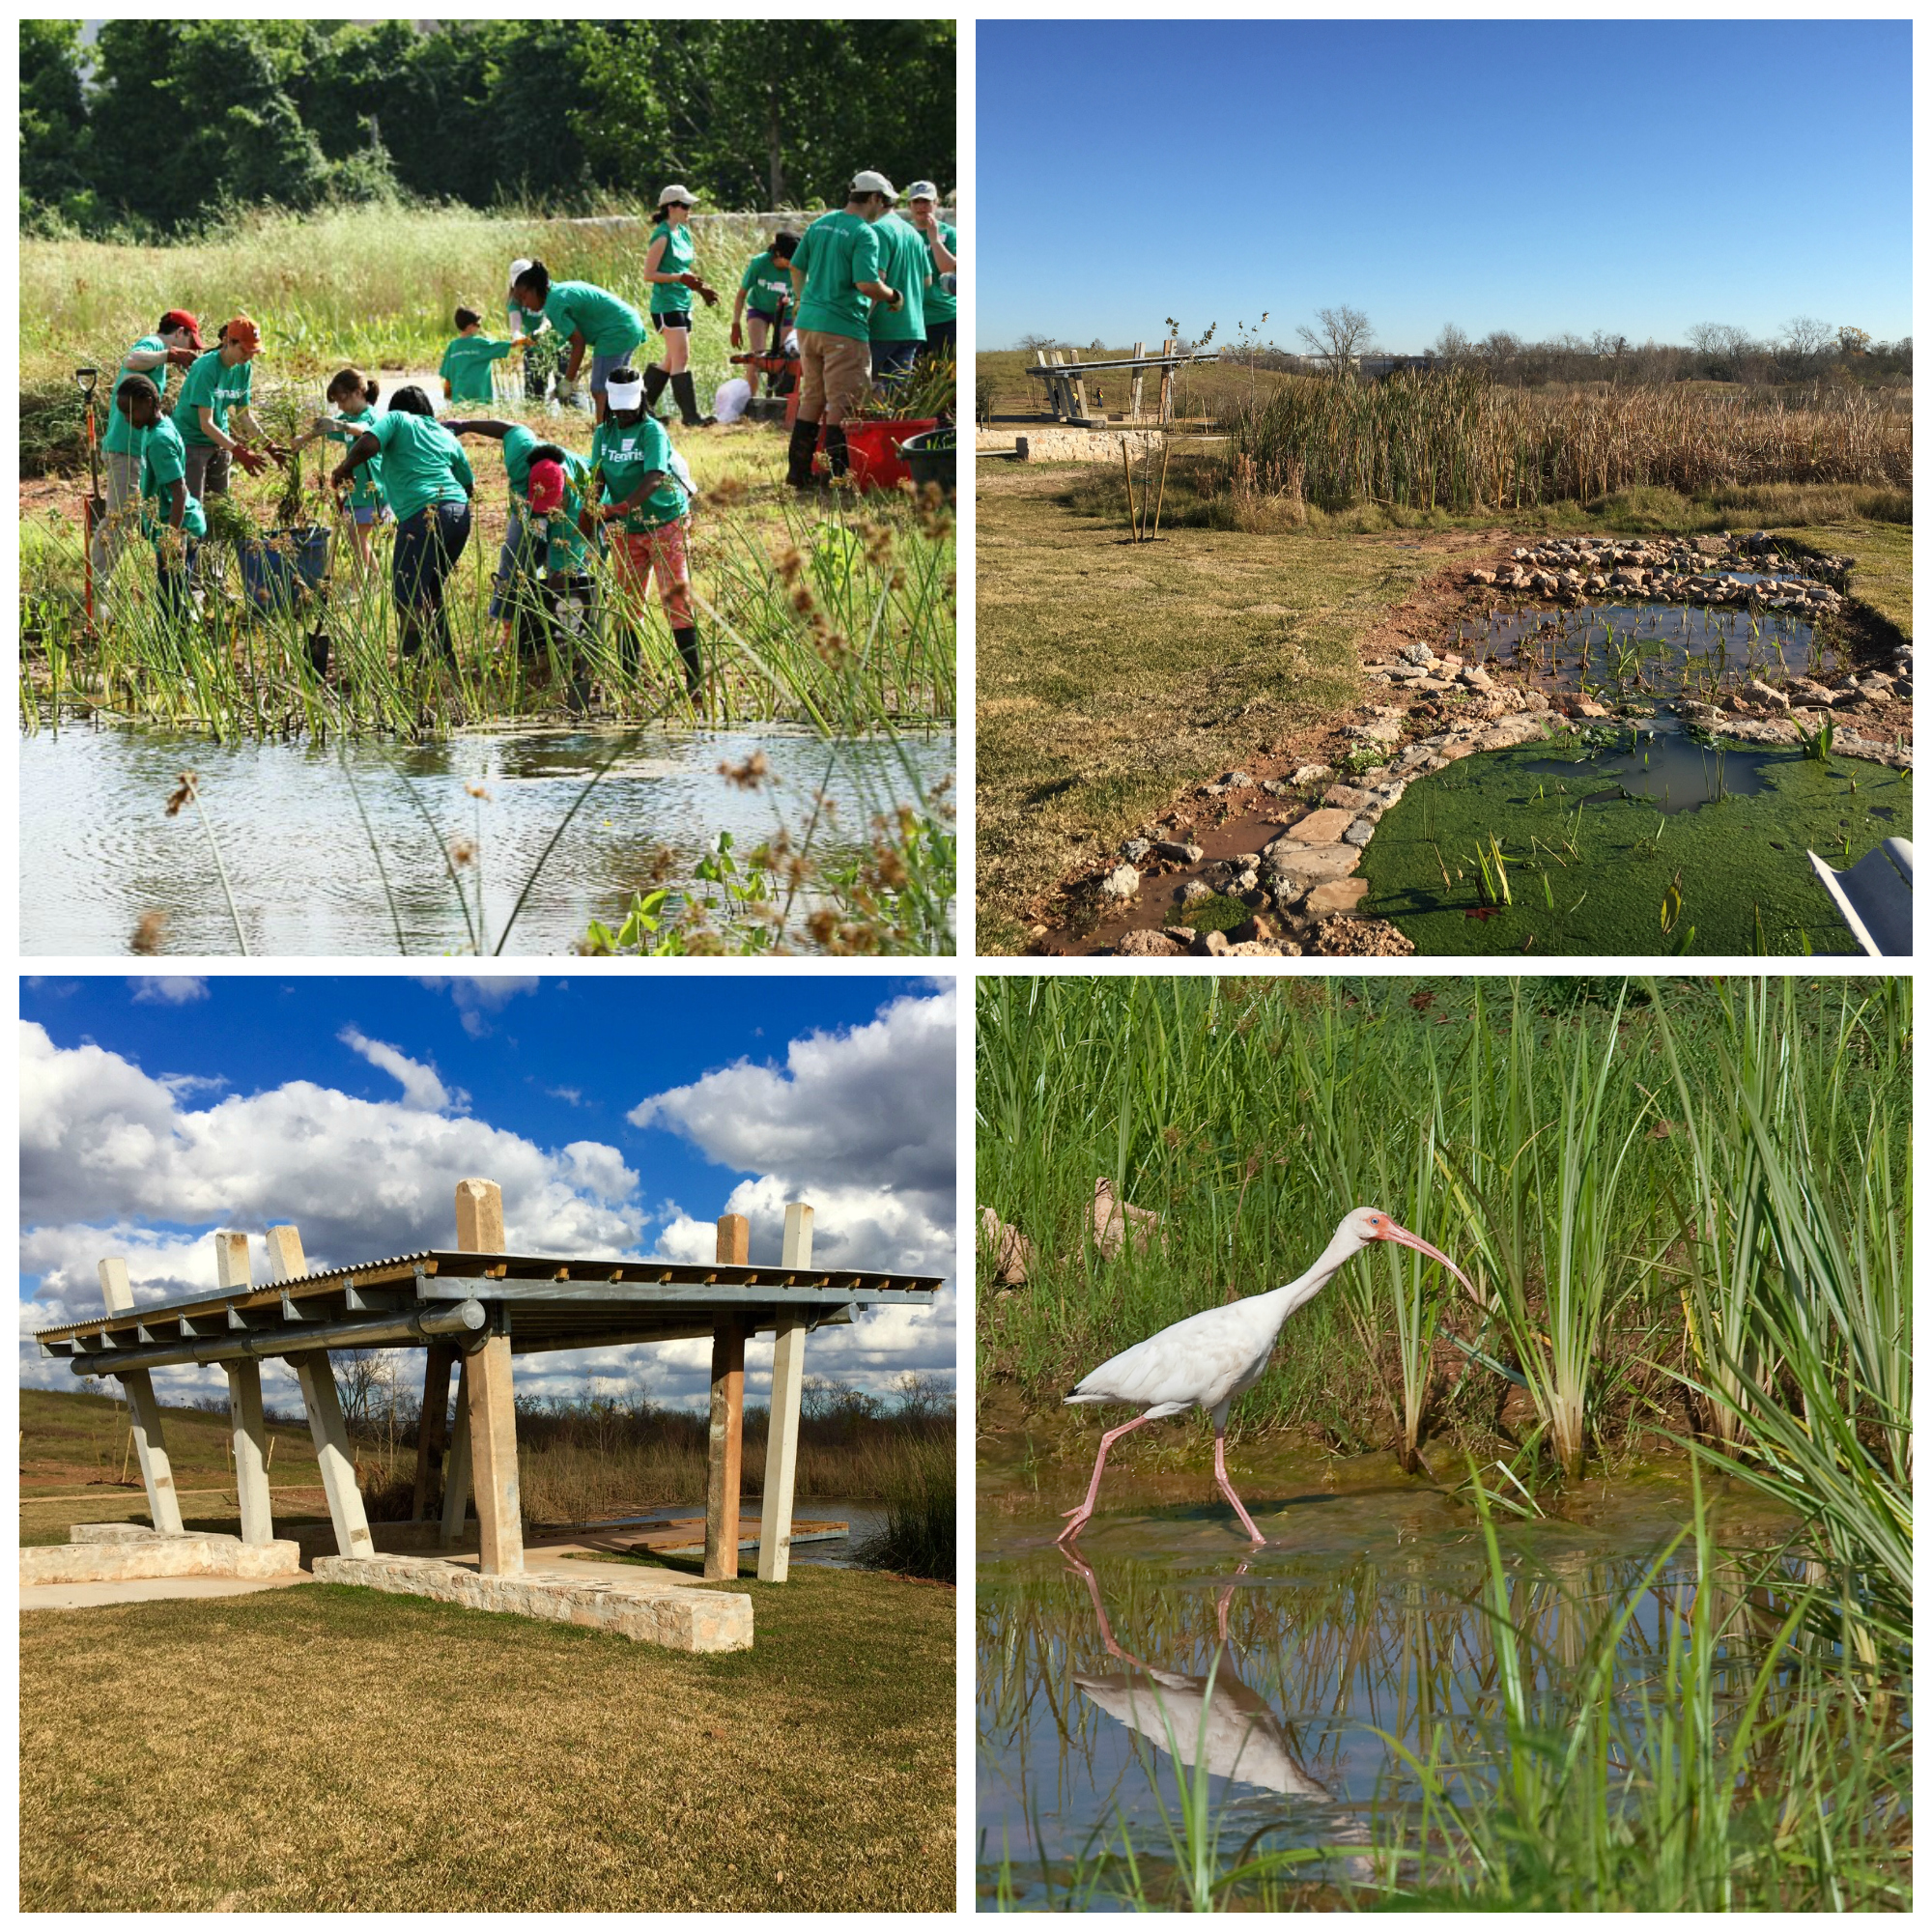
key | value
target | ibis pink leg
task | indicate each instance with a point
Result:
(1081, 1512)
(1228, 1490)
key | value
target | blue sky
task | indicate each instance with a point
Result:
(1540, 177)
(619, 1114)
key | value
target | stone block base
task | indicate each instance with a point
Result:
(646, 1611)
(104, 1552)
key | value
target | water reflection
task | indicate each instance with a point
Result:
(97, 853)
(1106, 1683)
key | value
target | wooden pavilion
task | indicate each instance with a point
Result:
(473, 1309)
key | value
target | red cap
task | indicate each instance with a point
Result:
(178, 318)
(546, 485)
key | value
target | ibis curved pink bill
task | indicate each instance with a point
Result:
(1209, 1359)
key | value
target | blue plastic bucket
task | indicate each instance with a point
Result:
(278, 571)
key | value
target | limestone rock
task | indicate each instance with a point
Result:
(1308, 775)
(1334, 897)
(1181, 854)
(1122, 883)
(1148, 945)
(1009, 1251)
(1135, 850)
(1113, 1222)
(1193, 891)
(1357, 938)
(1323, 827)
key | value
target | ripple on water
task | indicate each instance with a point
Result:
(97, 852)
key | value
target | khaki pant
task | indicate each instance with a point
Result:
(837, 371)
(208, 470)
(120, 480)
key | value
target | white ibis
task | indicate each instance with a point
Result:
(1209, 1359)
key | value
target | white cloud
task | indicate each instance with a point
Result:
(116, 1161)
(421, 1086)
(165, 989)
(477, 994)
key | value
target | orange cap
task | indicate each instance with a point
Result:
(243, 332)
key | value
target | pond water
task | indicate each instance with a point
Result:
(1658, 760)
(99, 852)
(1632, 649)
(1278, 1671)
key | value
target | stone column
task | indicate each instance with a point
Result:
(245, 1419)
(144, 1412)
(333, 1453)
(726, 1461)
(493, 1404)
(456, 1476)
(781, 1439)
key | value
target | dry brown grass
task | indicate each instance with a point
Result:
(328, 1749)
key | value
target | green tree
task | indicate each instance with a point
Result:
(54, 145)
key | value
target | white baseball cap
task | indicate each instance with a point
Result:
(873, 183)
(922, 191)
(676, 191)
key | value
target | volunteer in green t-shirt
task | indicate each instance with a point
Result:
(942, 246)
(668, 267)
(517, 560)
(465, 363)
(429, 483)
(642, 513)
(564, 604)
(175, 344)
(353, 396)
(215, 390)
(899, 334)
(587, 316)
(764, 296)
(176, 523)
(835, 277)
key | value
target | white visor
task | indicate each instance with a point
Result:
(624, 395)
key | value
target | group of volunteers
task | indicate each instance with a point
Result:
(856, 297)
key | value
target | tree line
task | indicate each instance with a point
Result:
(158, 125)
(1807, 352)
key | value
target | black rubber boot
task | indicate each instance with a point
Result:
(686, 641)
(686, 391)
(655, 379)
(838, 458)
(798, 458)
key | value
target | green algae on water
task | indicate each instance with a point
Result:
(1591, 874)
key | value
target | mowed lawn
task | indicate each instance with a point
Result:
(1111, 674)
(329, 1748)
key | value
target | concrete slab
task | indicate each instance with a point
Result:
(108, 1553)
(619, 1598)
(146, 1590)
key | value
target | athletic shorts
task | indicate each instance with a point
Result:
(671, 319)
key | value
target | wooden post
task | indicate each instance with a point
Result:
(725, 1464)
(1140, 350)
(456, 1477)
(492, 1402)
(247, 1426)
(333, 1453)
(1167, 382)
(432, 1424)
(144, 1413)
(782, 1438)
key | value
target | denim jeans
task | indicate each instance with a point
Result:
(428, 544)
(516, 565)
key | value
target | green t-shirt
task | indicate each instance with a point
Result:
(366, 491)
(767, 285)
(518, 443)
(164, 463)
(905, 262)
(212, 385)
(121, 436)
(465, 367)
(627, 454)
(422, 463)
(610, 324)
(938, 305)
(836, 253)
(680, 252)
